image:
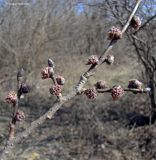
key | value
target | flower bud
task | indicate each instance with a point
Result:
(20, 75)
(51, 63)
(136, 22)
(55, 90)
(117, 92)
(60, 80)
(47, 72)
(109, 59)
(135, 84)
(101, 84)
(19, 115)
(25, 88)
(91, 93)
(114, 34)
(93, 59)
(11, 97)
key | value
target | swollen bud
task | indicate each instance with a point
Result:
(93, 59)
(47, 72)
(19, 115)
(11, 98)
(135, 84)
(60, 80)
(25, 88)
(51, 63)
(117, 92)
(109, 59)
(136, 22)
(91, 93)
(55, 90)
(114, 34)
(20, 75)
(101, 84)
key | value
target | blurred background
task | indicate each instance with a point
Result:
(68, 31)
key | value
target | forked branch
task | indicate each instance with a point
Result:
(115, 35)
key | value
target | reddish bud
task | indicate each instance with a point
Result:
(11, 97)
(47, 72)
(19, 115)
(114, 34)
(91, 93)
(55, 90)
(60, 80)
(93, 59)
(117, 92)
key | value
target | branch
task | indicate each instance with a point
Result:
(20, 80)
(108, 90)
(57, 106)
(84, 78)
(34, 125)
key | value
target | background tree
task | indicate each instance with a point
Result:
(68, 32)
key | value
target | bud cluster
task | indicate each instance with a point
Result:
(58, 80)
(47, 72)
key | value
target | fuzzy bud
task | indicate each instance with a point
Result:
(93, 59)
(114, 34)
(25, 88)
(11, 98)
(109, 59)
(60, 80)
(51, 63)
(117, 92)
(19, 115)
(91, 93)
(20, 75)
(47, 72)
(135, 84)
(55, 90)
(136, 22)
(101, 84)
